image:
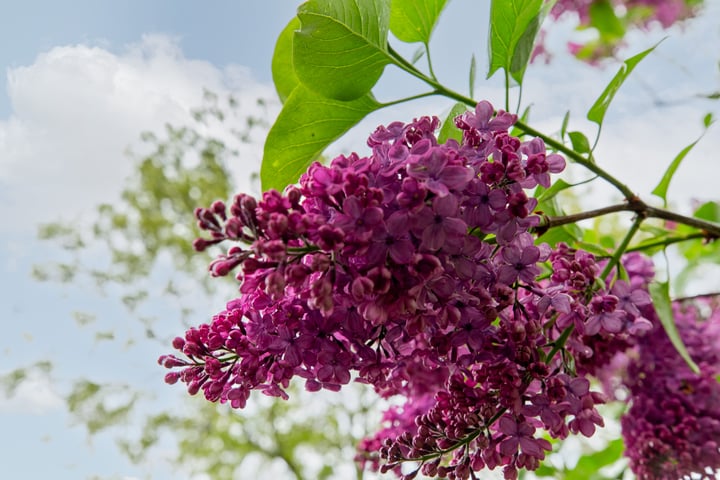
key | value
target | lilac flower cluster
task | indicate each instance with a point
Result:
(672, 429)
(414, 270)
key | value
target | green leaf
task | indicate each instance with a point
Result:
(563, 127)
(660, 294)
(662, 187)
(413, 21)
(546, 470)
(419, 53)
(513, 26)
(558, 186)
(709, 211)
(448, 129)
(283, 72)
(565, 233)
(523, 49)
(603, 18)
(594, 249)
(569, 234)
(516, 132)
(588, 465)
(597, 111)
(580, 142)
(341, 50)
(471, 79)
(306, 125)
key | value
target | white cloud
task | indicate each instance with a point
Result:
(77, 108)
(34, 396)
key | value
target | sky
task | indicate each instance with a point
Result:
(82, 80)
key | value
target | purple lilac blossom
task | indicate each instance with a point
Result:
(413, 271)
(672, 429)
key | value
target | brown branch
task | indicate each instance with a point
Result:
(711, 230)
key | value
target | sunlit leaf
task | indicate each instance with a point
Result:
(413, 21)
(307, 124)
(341, 50)
(660, 294)
(283, 71)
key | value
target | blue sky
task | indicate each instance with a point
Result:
(81, 80)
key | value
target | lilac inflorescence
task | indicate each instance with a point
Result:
(414, 270)
(672, 429)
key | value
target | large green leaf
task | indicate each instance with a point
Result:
(283, 72)
(660, 294)
(306, 125)
(662, 187)
(513, 26)
(597, 111)
(341, 50)
(413, 21)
